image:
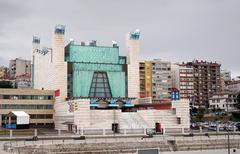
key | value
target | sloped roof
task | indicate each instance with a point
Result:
(20, 113)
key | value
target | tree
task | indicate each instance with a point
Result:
(200, 116)
(6, 84)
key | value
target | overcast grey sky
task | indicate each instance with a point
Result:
(175, 30)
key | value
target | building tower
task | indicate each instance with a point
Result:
(35, 47)
(133, 44)
(35, 43)
(50, 68)
(207, 81)
(59, 66)
(58, 77)
(50, 72)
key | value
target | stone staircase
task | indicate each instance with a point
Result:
(131, 120)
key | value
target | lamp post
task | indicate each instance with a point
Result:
(227, 103)
(228, 140)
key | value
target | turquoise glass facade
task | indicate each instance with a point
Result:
(85, 60)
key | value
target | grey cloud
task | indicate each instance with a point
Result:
(11, 10)
(3, 62)
(170, 29)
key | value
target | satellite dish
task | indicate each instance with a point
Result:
(114, 42)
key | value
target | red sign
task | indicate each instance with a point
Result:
(57, 92)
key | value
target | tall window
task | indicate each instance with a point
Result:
(100, 85)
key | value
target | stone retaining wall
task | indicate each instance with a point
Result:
(128, 147)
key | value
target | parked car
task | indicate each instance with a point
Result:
(212, 127)
(230, 126)
(205, 124)
(238, 126)
(194, 126)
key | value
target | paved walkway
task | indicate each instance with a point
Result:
(3, 152)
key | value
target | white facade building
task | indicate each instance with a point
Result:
(175, 75)
(226, 75)
(233, 86)
(183, 80)
(161, 80)
(133, 45)
(19, 67)
(224, 101)
(50, 72)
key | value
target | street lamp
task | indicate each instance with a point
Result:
(228, 142)
(227, 127)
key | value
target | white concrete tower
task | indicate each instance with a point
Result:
(35, 47)
(50, 73)
(58, 78)
(133, 44)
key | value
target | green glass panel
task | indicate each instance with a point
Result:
(81, 83)
(117, 83)
(89, 59)
(122, 60)
(94, 54)
(96, 67)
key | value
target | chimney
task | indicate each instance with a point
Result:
(93, 43)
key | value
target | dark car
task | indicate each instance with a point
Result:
(194, 126)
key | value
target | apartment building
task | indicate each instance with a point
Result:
(156, 79)
(207, 81)
(145, 79)
(226, 75)
(37, 103)
(23, 81)
(225, 79)
(161, 79)
(186, 81)
(233, 86)
(226, 101)
(19, 67)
